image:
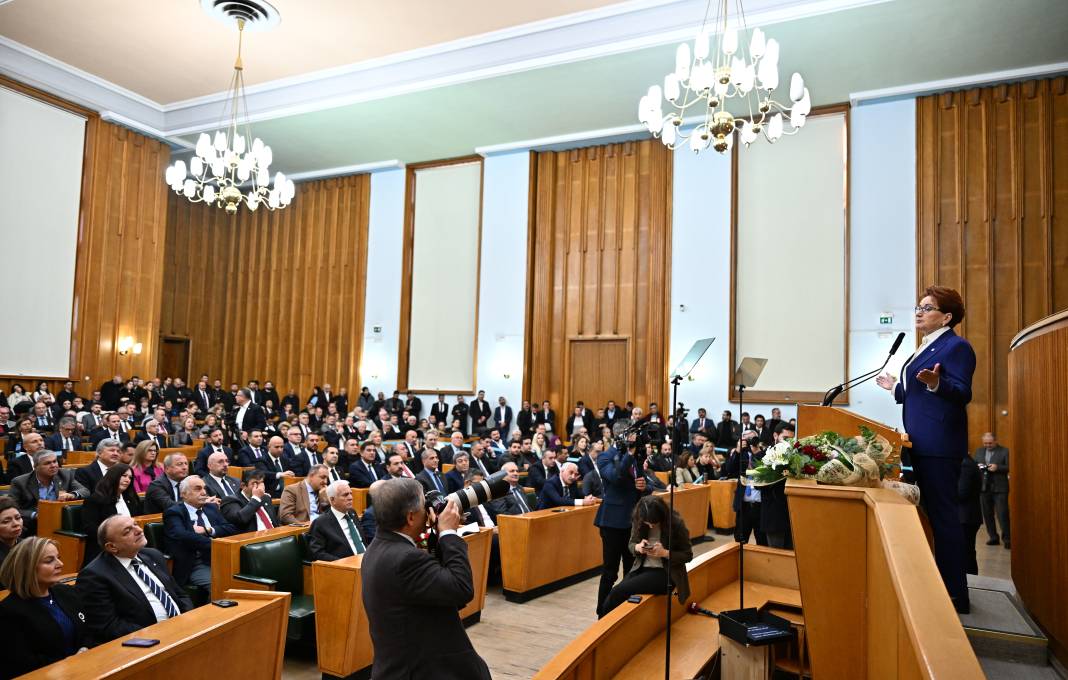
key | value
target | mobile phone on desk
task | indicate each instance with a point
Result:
(224, 603)
(140, 642)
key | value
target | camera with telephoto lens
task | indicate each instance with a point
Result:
(489, 489)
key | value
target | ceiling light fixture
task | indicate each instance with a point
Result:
(739, 68)
(232, 167)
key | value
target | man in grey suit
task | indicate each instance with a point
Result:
(47, 481)
(993, 460)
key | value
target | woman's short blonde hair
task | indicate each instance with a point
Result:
(19, 570)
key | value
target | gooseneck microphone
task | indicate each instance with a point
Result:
(833, 393)
(695, 608)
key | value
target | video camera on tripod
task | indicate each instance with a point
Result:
(646, 435)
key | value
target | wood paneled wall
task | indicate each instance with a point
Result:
(598, 258)
(119, 268)
(992, 220)
(1038, 363)
(272, 295)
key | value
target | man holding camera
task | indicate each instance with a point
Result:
(624, 483)
(413, 598)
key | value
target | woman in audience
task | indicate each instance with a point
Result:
(187, 434)
(18, 396)
(42, 393)
(41, 618)
(60, 408)
(538, 444)
(23, 427)
(708, 463)
(211, 421)
(650, 524)
(114, 495)
(685, 470)
(146, 467)
(10, 527)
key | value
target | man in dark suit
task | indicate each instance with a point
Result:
(440, 411)
(454, 478)
(218, 481)
(728, 431)
(524, 420)
(274, 467)
(108, 452)
(968, 510)
(453, 448)
(127, 587)
(562, 490)
(214, 444)
(112, 430)
(993, 460)
(701, 422)
(547, 417)
(46, 481)
(414, 405)
(65, 438)
(152, 431)
(366, 471)
(42, 417)
(203, 396)
(624, 484)
(459, 412)
(542, 471)
(480, 412)
(249, 414)
(481, 459)
(747, 499)
(252, 509)
(774, 510)
(253, 449)
(502, 417)
(405, 586)
(301, 456)
(336, 533)
(188, 529)
(515, 501)
(163, 492)
(429, 476)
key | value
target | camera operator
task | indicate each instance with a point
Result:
(746, 455)
(623, 484)
(413, 598)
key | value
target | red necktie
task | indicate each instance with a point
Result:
(264, 517)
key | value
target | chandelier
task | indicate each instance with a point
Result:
(740, 69)
(232, 167)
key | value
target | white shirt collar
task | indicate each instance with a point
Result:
(406, 537)
(931, 337)
(340, 515)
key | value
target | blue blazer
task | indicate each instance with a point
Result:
(184, 544)
(937, 422)
(618, 474)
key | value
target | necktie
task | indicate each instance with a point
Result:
(567, 494)
(277, 464)
(67, 446)
(174, 490)
(200, 519)
(371, 470)
(437, 482)
(482, 467)
(156, 589)
(355, 535)
(257, 452)
(520, 497)
(264, 517)
(226, 487)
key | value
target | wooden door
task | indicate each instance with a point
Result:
(174, 358)
(598, 373)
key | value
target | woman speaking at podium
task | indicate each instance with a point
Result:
(935, 387)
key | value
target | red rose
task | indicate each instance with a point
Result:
(809, 469)
(819, 455)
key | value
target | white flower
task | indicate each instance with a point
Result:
(778, 455)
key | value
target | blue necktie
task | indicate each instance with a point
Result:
(156, 589)
(437, 482)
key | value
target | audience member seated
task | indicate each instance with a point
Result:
(163, 492)
(112, 430)
(396, 467)
(218, 481)
(253, 450)
(366, 471)
(151, 432)
(47, 482)
(335, 533)
(145, 466)
(127, 587)
(454, 478)
(563, 490)
(429, 476)
(42, 620)
(274, 467)
(685, 471)
(455, 447)
(188, 433)
(543, 470)
(108, 452)
(188, 529)
(302, 502)
(65, 438)
(332, 461)
(11, 526)
(114, 495)
(515, 501)
(214, 444)
(252, 508)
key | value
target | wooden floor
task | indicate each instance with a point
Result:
(516, 639)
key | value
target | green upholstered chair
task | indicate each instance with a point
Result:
(279, 565)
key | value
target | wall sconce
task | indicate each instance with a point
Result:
(127, 344)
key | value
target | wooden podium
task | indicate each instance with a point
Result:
(815, 419)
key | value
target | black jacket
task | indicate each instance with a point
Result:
(159, 495)
(241, 513)
(32, 638)
(95, 511)
(326, 538)
(413, 600)
(114, 603)
(968, 485)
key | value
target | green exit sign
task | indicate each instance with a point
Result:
(886, 319)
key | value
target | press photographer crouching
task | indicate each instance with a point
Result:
(413, 598)
(648, 538)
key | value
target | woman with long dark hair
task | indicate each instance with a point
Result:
(651, 522)
(114, 495)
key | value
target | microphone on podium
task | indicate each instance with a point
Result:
(833, 393)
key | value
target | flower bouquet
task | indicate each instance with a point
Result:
(830, 458)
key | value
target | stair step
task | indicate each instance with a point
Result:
(999, 628)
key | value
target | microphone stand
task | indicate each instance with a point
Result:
(744, 534)
(832, 394)
(675, 381)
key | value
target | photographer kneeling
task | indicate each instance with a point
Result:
(413, 598)
(648, 536)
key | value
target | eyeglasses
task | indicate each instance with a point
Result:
(923, 309)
